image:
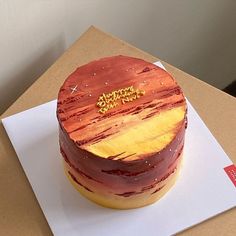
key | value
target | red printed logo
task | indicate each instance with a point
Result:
(231, 172)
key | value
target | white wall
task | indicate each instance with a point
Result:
(199, 36)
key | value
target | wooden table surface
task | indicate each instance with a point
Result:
(20, 213)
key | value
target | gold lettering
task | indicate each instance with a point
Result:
(103, 110)
(101, 104)
(125, 100)
(109, 101)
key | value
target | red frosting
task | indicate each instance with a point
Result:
(127, 176)
(77, 113)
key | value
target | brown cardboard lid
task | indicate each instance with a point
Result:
(20, 213)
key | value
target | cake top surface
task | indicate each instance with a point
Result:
(121, 108)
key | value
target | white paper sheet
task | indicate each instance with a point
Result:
(203, 189)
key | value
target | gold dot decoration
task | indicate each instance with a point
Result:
(118, 97)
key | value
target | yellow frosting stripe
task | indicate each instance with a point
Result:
(150, 136)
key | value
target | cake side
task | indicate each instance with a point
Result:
(127, 200)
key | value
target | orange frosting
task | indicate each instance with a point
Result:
(122, 126)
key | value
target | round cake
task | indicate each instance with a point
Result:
(122, 124)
